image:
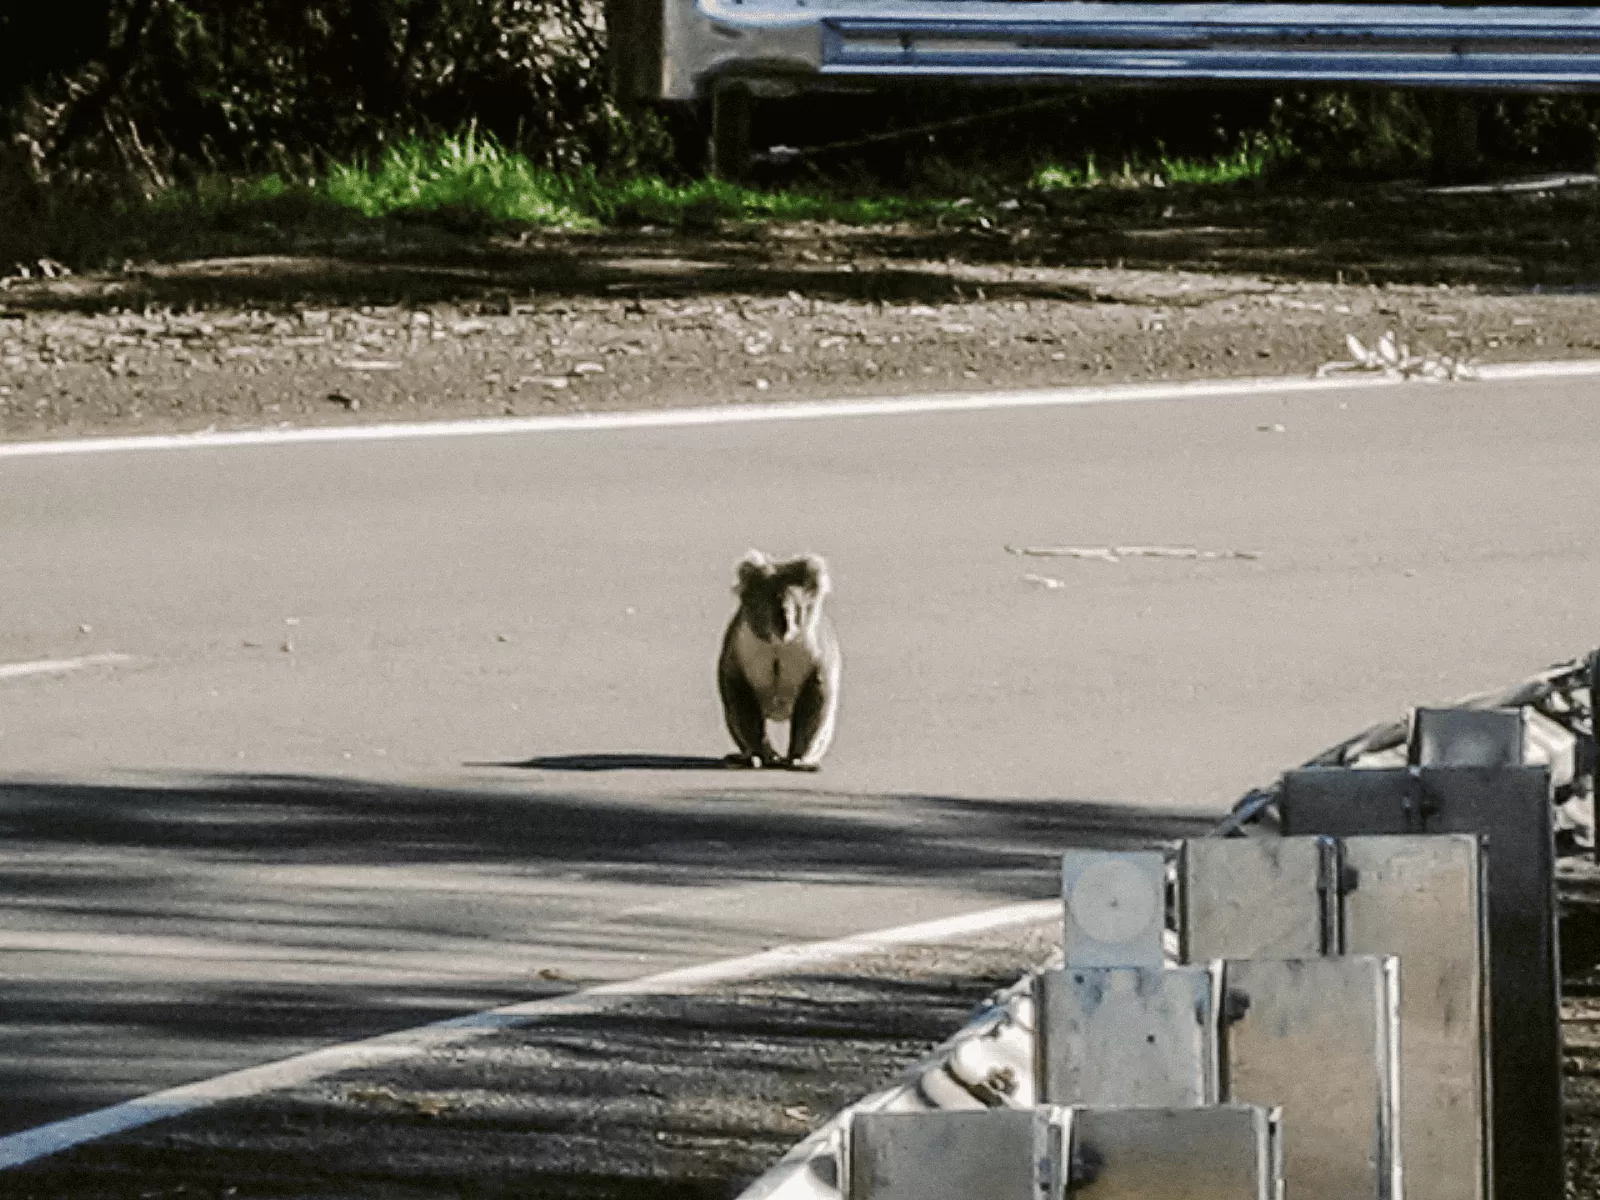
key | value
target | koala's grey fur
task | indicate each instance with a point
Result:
(780, 662)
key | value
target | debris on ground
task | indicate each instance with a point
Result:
(1394, 358)
(1113, 554)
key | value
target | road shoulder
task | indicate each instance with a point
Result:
(678, 1096)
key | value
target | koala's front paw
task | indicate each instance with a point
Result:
(743, 762)
(800, 764)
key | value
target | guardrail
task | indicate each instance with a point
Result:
(1372, 856)
(1400, 46)
(682, 49)
(729, 51)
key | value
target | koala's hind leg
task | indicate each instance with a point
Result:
(742, 713)
(811, 728)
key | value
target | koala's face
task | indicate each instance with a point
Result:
(779, 599)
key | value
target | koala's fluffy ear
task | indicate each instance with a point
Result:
(814, 574)
(751, 568)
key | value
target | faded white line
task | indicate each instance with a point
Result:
(736, 414)
(32, 1144)
(61, 666)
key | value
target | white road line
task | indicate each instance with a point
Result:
(32, 1144)
(735, 414)
(60, 666)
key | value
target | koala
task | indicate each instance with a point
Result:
(780, 662)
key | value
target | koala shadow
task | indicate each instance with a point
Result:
(612, 762)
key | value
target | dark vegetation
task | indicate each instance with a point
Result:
(130, 124)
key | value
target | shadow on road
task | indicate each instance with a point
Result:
(157, 933)
(752, 832)
(664, 1098)
(612, 762)
(1363, 233)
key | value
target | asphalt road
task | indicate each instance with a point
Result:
(413, 728)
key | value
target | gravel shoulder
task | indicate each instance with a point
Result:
(439, 329)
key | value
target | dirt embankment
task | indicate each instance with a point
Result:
(397, 330)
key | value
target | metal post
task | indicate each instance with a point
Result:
(1594, 751)
(732, 113)
(1453, 118)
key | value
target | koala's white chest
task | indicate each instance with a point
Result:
(775, 670)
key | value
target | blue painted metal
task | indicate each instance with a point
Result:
(1401, 45)
(787, 42)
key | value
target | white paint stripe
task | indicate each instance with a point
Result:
(32, 1144)
(735, 414)
(61, 666)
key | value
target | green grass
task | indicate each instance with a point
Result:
(472, 182)
(1250, 161)
(472, 175)
(652, 200)
(465, 174)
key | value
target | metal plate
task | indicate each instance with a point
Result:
(1467, 737)
(1316, 1037)
(1230, 1152)
(942, 1155)
(1125, 1036)
(1420, 898)
(1249, 898)
(1115, 907)
(1339, 802)
(1417, 897)
(1510, 807)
